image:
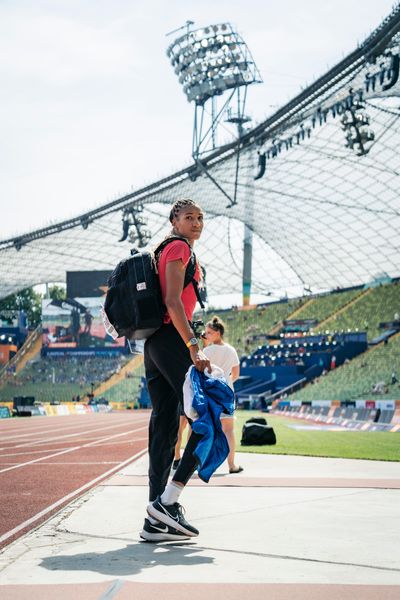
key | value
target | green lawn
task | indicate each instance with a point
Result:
(379, 445)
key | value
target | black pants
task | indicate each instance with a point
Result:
(166, 360)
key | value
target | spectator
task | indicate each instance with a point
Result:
(224, 356)
(88, 318)
(379, 387)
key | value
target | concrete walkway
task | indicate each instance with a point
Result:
(286, 527)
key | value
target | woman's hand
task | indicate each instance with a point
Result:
(199, 359)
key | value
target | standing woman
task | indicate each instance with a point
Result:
(168, 354)
(224, 356)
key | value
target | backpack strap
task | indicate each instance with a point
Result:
(190, 268)
(197, 292)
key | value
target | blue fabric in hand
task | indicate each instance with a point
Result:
(211, 397)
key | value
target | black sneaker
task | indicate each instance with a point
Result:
(175, 464)
(160, 532)
(171, 514)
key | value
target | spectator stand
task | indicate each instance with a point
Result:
(292, 362)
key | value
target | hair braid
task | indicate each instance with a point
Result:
(178, 205)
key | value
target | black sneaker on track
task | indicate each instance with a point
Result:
(172, 515)
(160, 532)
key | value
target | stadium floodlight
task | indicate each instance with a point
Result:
(355, 124)
(209, 62)
(130, 219)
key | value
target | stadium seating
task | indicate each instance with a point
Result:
(54, 379)
(61, 378)
(350, 416)
(359, 309)
(378, 305)
(322, 307)
(127, 390)
(366, 309)
(247, 328)
(357, 378)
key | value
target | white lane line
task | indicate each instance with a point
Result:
(70, 435)
(39, 459)
(36, 460)
(32, 452)
(35, 431)
(57, 434)
(142, 439)
(45, 511)
(29, 452)
(61, 464)
(54, 445)
(101, 419)
(68, 426)
(28, 426)
(99, 442)
(9, 448)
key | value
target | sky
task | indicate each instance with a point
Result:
(92, 109)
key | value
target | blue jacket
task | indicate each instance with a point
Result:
(211, 397)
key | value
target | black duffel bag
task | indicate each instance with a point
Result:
(259, 420)
(256, 432)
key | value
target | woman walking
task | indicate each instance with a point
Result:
(168, 354)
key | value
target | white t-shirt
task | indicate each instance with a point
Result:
(224, 356)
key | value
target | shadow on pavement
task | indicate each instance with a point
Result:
(130, 560)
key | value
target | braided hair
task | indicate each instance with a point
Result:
(175, 210)
(179, 205)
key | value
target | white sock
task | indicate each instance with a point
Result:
(171, 493)
(152, 521)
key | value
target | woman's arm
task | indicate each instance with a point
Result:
(235, 372)
(175, 277)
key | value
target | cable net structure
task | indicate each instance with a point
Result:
(317, 184)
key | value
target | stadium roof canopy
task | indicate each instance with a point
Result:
(318, 186)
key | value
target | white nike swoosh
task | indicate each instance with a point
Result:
(162, 529)
(171, 516)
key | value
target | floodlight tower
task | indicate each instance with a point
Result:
(215, 68)
(209, 62)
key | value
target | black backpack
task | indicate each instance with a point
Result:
(255, 432)
(133, 306)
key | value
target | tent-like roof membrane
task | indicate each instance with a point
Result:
(323, 215)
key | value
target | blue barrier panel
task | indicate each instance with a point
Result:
(4, 412)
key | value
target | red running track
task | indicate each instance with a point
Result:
(45, 462)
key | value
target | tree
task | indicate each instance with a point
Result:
(57, 292)
(27, 300)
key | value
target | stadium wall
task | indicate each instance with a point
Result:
(64, 409)
(361, 415)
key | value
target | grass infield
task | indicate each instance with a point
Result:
(377, 445)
